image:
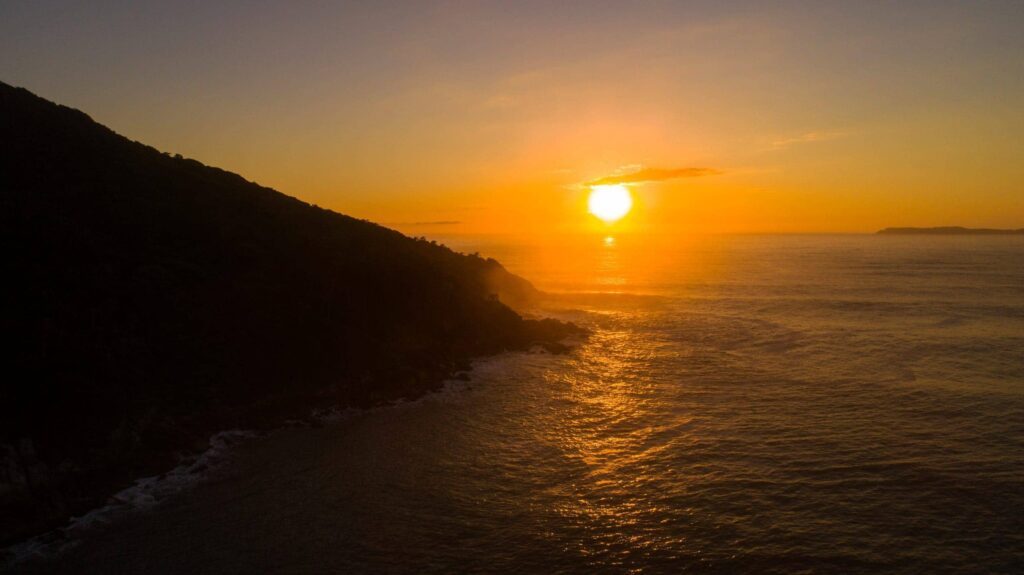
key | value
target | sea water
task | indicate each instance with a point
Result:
(745, 404)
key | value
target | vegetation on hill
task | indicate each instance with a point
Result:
(151, 301)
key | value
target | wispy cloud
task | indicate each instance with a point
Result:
(808, 138)
(640, 175)
(431, 223)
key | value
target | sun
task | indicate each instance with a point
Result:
(610, 203)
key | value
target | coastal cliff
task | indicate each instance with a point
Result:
(152, 301)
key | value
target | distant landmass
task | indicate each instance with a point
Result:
(151, 301)
(950, 230)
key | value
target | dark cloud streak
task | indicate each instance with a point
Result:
(653, 175)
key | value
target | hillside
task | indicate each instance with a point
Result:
(152, 301)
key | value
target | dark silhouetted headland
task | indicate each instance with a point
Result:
(950, 231)
(151, 301)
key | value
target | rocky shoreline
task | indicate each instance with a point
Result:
(35, 492)
(24, 476)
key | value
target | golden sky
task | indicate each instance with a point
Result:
(493, 117)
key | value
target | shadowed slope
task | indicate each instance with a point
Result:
(154, 300)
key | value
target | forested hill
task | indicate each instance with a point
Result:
(150, 300)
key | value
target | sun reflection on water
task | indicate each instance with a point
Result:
(616, 429)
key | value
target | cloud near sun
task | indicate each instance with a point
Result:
(653, 175)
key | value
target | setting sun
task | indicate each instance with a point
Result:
(610, 203)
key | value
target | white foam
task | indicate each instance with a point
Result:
(143, 494)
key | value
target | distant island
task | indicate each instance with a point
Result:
(151, 301)
(950, 231)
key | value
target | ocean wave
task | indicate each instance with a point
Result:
(143, 494)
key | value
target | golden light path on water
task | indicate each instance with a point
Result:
(621, 458)
(614, 429)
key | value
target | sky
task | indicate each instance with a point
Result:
(494, 117)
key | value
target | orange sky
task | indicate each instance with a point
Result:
(803, 117)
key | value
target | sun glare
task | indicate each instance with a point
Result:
(610, 203)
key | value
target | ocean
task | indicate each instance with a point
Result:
(745, 404)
